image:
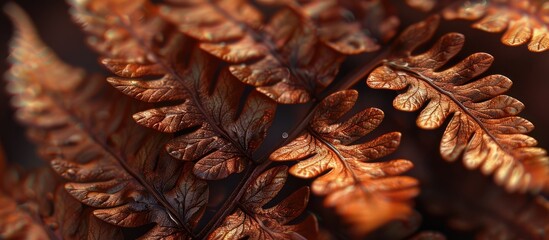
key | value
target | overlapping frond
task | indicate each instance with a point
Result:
(524, 21)
(251, 220)
(199, 98)
(36, 206)
(367, 194)
(110, 163)
(19, 214)
(283, 58)
(297, 52)
(484, 127)
(346, 26)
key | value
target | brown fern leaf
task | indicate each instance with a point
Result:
(18, 224)
(346, 26)
(252, 221)
(283, 59)
(484, 127)
(200, 99)
(222, 139)
(111, 163)
(38, 207)
(368, 195)
(111, 36)
(74, 220)
(20, 209)
(523, 20)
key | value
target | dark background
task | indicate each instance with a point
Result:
(529, 72)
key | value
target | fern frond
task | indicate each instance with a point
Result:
(484, 128)
(283, 59)
(203, 101)
(347, 26)
(524, 21)
(110, 163)
(367, 195)
(255, 222)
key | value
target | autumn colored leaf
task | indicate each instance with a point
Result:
(524, 21)
(17, 224)
(222, 139)
(283, 59)
(109, 33)
(203, 100)
(253, 221)
(346, 26)
(36, 206)
(178, 143)
(483, 128)
(18, 221)
(110, 163)
(367, 194)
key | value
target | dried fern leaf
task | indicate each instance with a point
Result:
(18, 224)
(524, 21)
(36, 206)
(199, 98)
(222, 139)
(367, 195)
(110, 163)
(484, 128)
(251, 220)
(111, 36)
(74, 220)
(347, 26)
(23, 203)
(283, 59)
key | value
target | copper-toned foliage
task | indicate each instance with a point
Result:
(203, 98)
(17, 224)
(347, 26)
(172, 145)
(522, 20)
(109, 32)
(283, 59)
(21, 211)
(367, 195)
(252, 221)
(36, 206)
(484, 128)
(224, 141)
(294, 55)
(74, 220)
(110, 163)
